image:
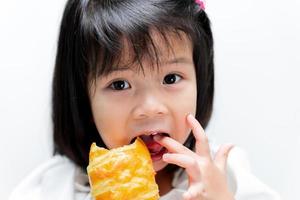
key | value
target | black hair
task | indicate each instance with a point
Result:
(90, 42)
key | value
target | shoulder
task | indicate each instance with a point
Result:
(241, 180)
(49, 180)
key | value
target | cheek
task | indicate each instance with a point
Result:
(186, 102)
(186, 105)
(109, 121)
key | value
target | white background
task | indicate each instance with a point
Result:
(257, 99)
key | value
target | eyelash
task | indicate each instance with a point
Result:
(113, 84)
(176, 80)
(113, 87)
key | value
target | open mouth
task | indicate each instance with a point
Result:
(156, 150)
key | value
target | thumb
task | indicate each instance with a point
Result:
(222, 155)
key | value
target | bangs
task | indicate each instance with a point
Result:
(123, 30)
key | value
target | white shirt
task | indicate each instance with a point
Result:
(60, 179)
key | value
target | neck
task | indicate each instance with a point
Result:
(164, 181)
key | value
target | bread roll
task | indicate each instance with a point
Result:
(124, 173)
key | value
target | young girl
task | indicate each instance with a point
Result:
(135, 68)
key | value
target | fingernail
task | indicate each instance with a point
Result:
(229, 146)
(157, 137)
(190, 117)
(165, 156)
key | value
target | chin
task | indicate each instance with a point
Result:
(159, 165)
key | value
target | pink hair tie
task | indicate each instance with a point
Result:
(200, 4)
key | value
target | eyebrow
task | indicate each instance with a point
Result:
(180, 60)
(183, 60)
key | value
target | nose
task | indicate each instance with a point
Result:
(150, 105)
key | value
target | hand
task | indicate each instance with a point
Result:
(207, 176)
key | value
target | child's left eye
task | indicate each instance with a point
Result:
(172, 78)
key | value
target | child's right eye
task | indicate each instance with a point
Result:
(119, 85)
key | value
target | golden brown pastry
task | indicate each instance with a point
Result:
(124, 173)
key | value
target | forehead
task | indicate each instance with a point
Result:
(162, 47)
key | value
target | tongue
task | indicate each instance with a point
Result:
(154, 147)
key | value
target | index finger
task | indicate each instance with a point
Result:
(202, 146)
(173, 146)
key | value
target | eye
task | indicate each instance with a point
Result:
(119, 85)
(172, 78)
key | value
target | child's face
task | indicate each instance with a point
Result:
(129, 103)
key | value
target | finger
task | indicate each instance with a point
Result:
(202, 146)
(188, 163)
(222, 156)
(194, 192)
(172, 145)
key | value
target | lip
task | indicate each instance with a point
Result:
(158, 156)
(155, 149)
(151, 132)
(148, 133)
(152, 145)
